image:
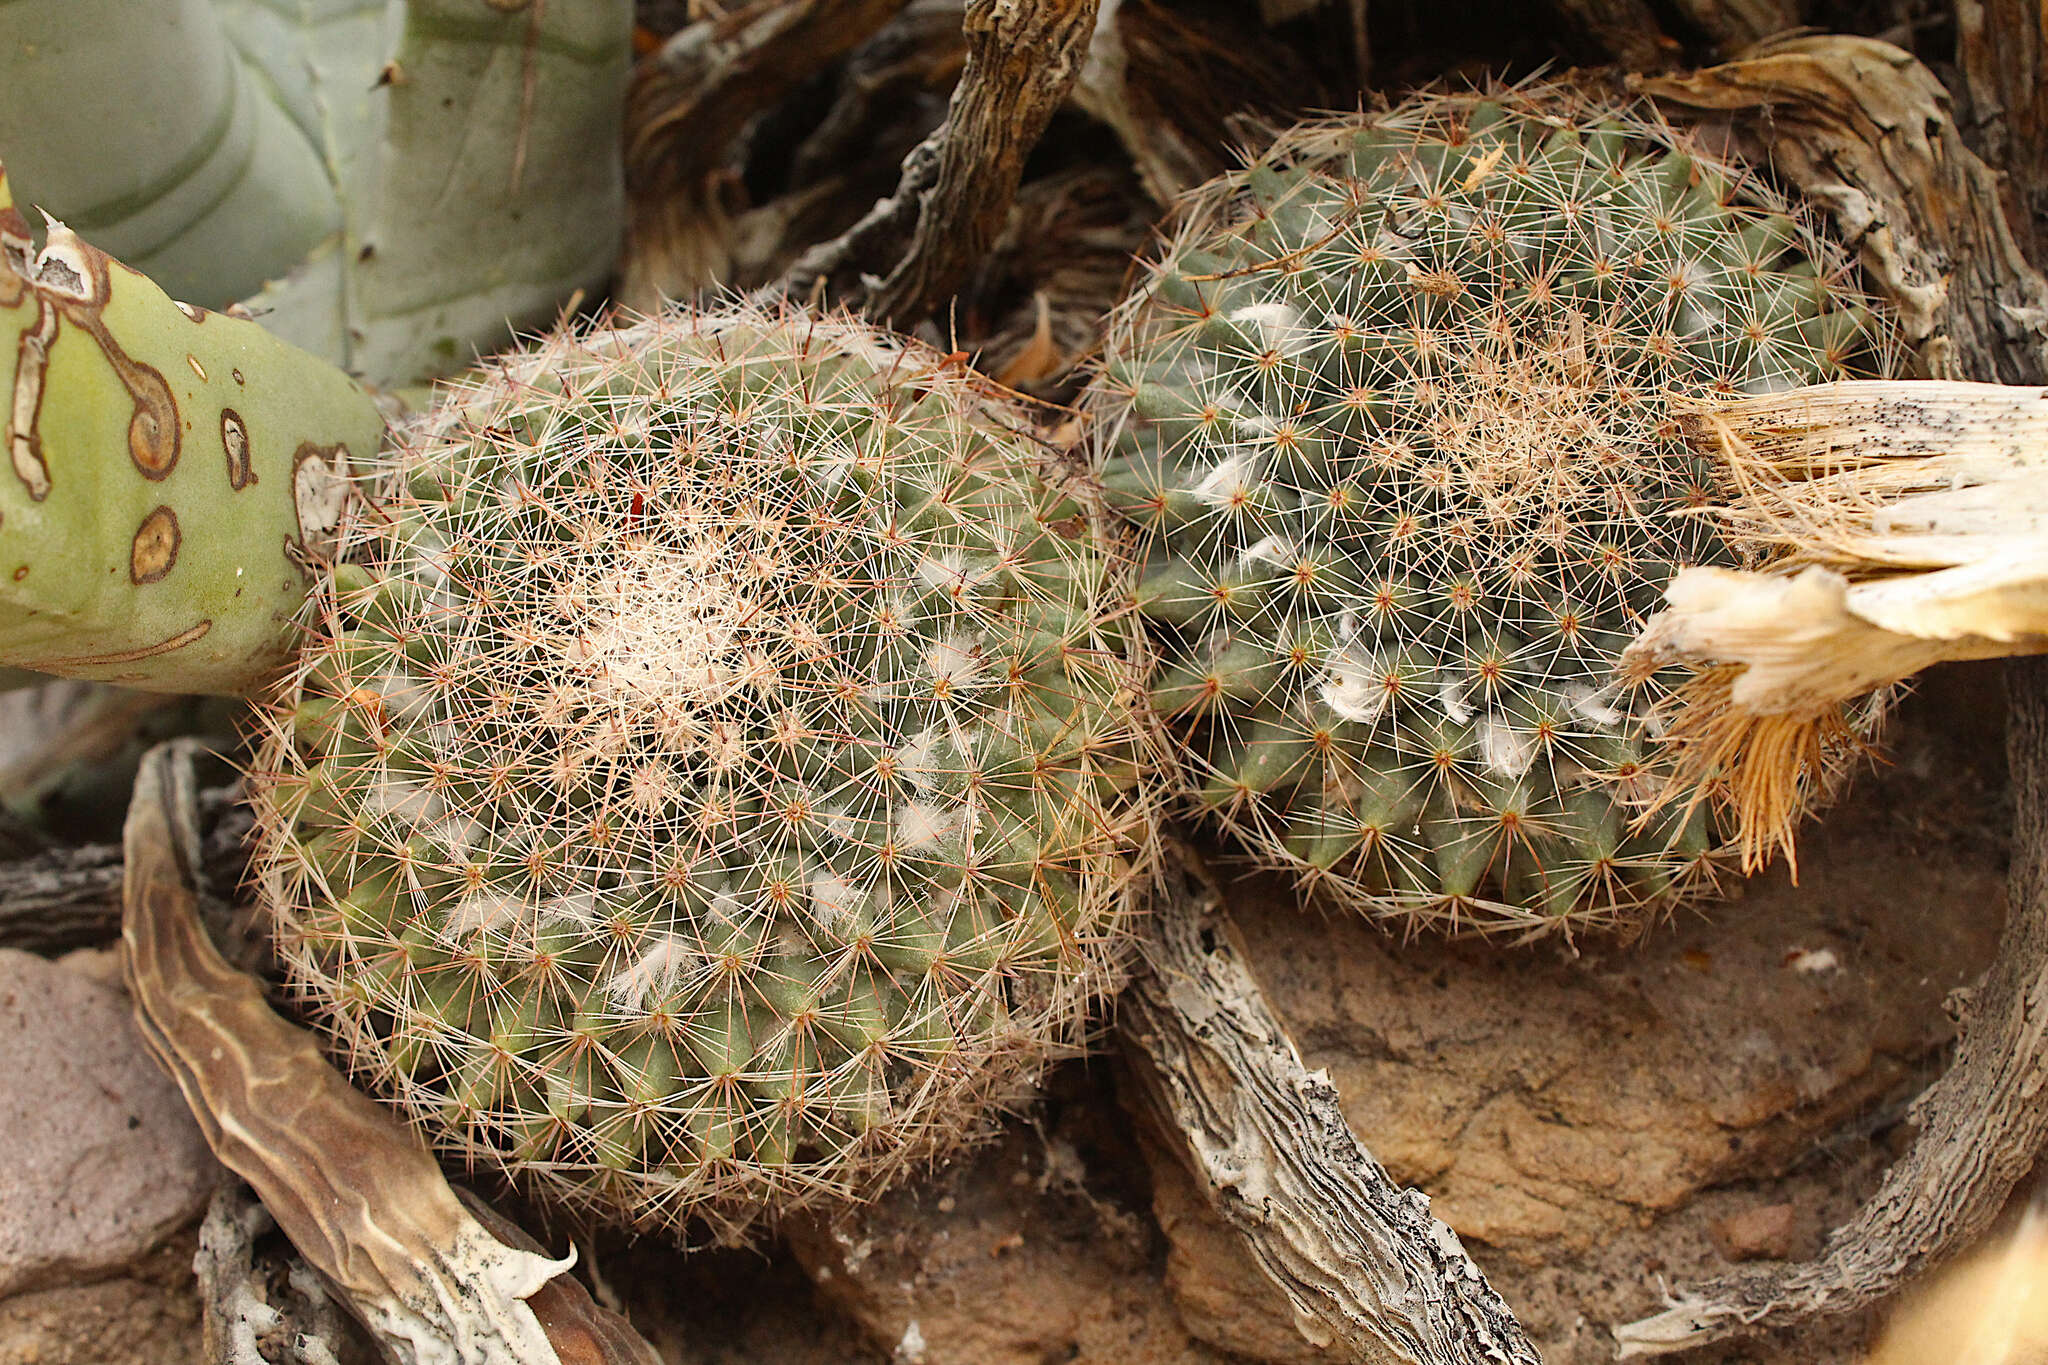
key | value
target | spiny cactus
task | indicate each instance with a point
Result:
(174, 478)
(713, 787)
(1393, 417)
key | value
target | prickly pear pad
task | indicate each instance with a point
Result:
(1395, 416)
(712, 785)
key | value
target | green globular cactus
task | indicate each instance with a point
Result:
(1394, 418)
(712, 785)
(175, 480)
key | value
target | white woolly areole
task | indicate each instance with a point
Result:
(1355, 685)
(1504, 748)
(654, 972)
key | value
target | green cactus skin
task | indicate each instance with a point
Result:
(1393, 417)
(716, 787)
(395, 185)
(174, 478)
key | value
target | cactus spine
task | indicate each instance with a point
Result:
(1393, 418)
(712, 789)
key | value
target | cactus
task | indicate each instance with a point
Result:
(391, 184)
(708, 787)
(1392, 416)
(175, 478)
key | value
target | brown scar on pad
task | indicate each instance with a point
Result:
(187, 636)
(234, 439)
(155, 551)
(321, 492)
(71, 280)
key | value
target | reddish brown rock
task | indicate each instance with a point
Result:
(102, 1158)
(1767, 1233)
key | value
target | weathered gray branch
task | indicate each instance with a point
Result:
(65, 898)
(1368, 1269)
(957, 185)
(249, 1318)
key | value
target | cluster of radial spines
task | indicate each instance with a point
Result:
(711, 785)
(1393, 415)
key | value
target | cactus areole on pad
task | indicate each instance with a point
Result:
(712, 783)
(1394, 415)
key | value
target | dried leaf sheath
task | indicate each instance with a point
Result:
(1906, 520)
(358, 1196)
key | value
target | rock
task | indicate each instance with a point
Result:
(147, 1315)
(1769, 1233)
(103, 1159)
(1034, 1249)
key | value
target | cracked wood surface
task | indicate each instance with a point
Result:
(1866, 132)
(1371, 1274)
(2002, 50)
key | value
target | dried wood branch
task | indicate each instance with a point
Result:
(61, 899)
(65, 898)
(2002, 49)
(1175, 84)
(957, 185)
(1365, 1265)
(1867, 133)
(1626, 30)
(351, 1187)
(688, 104)
(1866, 130)
(1734, 24)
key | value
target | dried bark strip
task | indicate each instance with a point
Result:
(2002, 49)
(1866, 131)
(1366, 1266)
(688, 104)
(351, 1187)
(957, 185)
